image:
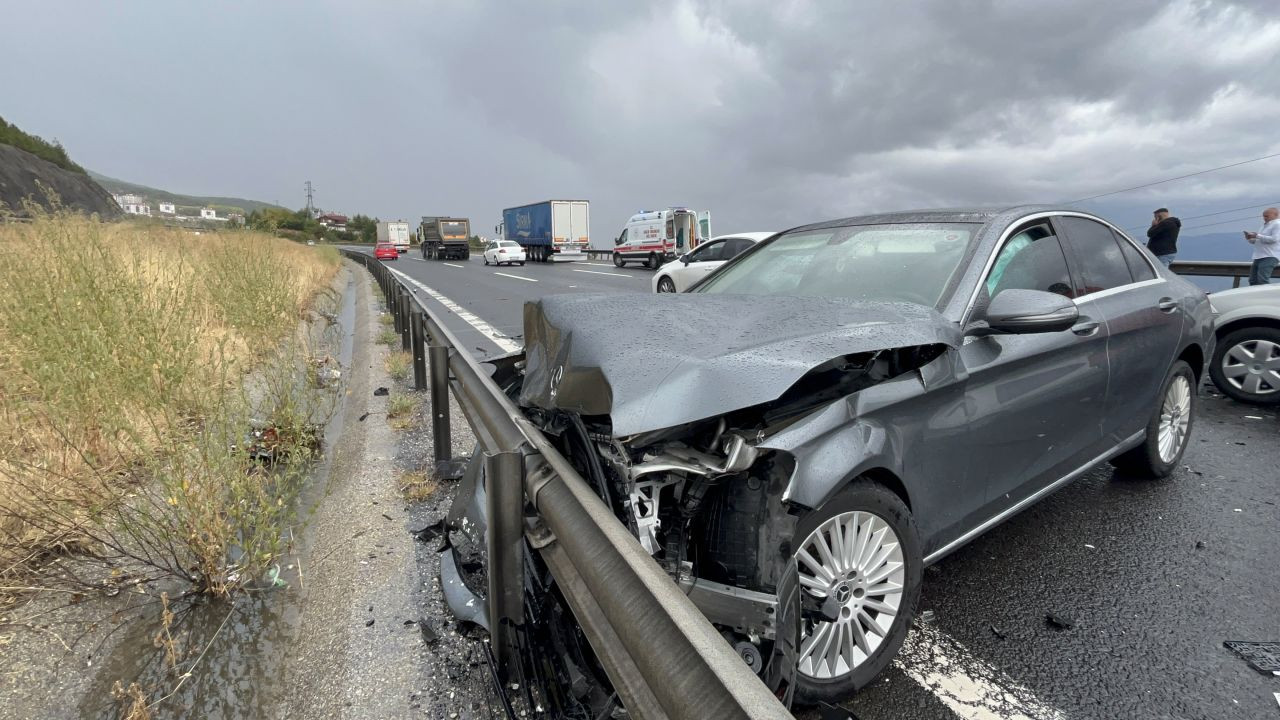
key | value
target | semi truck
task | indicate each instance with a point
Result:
(550, 230)
(444, 238)
(396, 233)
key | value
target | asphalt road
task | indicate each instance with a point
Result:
(1152, 576)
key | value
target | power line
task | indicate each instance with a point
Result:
(1220, 212)
(1180, 177)
(1222, 222)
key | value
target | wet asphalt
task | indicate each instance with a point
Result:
(1153, 576)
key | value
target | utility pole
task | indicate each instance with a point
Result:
(311, 208)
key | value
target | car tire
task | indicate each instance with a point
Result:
(486, 259)
(618, 261)
(521, 263)
(666, 285)
(652, 262)
(1168, 429)
(1230, 353)
(875, 509)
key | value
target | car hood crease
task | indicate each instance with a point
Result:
(656, 361)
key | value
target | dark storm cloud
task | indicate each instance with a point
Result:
(768, 113)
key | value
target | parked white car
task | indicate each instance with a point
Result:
(680, 274)
(1246, 362)
(504, 252)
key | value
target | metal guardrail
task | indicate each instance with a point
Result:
(663, 657)
(1216, 268)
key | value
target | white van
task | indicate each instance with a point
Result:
(654, 237)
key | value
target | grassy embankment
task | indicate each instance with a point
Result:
(124, 414)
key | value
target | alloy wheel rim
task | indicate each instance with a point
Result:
(855, 561)
(1175, 418)
(1253, 366)
(666, 286)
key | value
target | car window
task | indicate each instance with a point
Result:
(622, 238)
(1138, 265)
(1031, 259)
(707, 252)
(890, 262)
(1102, 265)
(734, 246)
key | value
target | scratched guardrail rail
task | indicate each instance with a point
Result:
(663, 657)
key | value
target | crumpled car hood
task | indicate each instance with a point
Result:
(656, 361)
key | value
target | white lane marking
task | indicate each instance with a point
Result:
(596, 264)
(484, 328)
(971, 688)
(452, 265)
(597, 272)
(515, 276)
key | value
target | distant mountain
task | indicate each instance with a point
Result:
(1218, 246)
(188, 201)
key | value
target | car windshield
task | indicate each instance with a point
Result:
(901, 262)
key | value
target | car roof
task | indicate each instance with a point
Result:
(753, 236)
(939, 215)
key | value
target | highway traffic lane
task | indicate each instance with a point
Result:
(497, 294)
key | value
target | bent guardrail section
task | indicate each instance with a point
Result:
(663, 657)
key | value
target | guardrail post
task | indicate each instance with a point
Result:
(438, 355)
(504, 499)
(418, 331)
(406, 332)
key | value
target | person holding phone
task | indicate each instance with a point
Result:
(1162, 236)
(1266, 247)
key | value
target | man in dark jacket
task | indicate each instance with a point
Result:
(1162, 236)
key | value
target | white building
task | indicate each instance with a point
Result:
(133, 204)
(208, 213)
(167, 209)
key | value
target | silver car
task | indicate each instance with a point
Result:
(913, 380)
(1246, 365)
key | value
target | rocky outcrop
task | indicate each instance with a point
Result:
(22, 175)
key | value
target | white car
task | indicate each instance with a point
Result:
(1246, 362)
(500, 252)
(681, 273)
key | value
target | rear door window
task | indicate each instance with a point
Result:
(734, 246)
(708, 252)
(1031, 259)
(1138, 265)
(1097, 254)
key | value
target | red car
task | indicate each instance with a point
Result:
(385, 251)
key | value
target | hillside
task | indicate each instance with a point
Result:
(23, 175)
(195, 201)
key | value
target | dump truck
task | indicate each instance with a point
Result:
(444, 238)
(550, 230)
(396, 233)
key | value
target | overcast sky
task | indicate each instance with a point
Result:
(770, 114)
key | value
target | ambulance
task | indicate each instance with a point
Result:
(653, 237)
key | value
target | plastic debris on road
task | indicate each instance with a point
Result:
(1261, 656)
(1058, 622)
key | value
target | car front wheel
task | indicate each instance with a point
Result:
(859, 561)
(1167, 429)
(618, 261)
(1246, 365)
(665, 285)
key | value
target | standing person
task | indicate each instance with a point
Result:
(1162, 236)
(1266, 247)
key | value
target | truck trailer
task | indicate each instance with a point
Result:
(444, 238)
(550, 230)
(396, 233)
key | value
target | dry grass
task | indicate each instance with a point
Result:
(387, 336)
(417, 486)
(122, 354)
(399, 364)
(401, 408)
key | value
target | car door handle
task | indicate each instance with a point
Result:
(1167, 304)
(1086, 327)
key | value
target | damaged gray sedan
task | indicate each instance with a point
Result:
(863, 397)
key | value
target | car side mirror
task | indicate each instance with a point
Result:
(685, 258)
(1021, 312)
(617, 240)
